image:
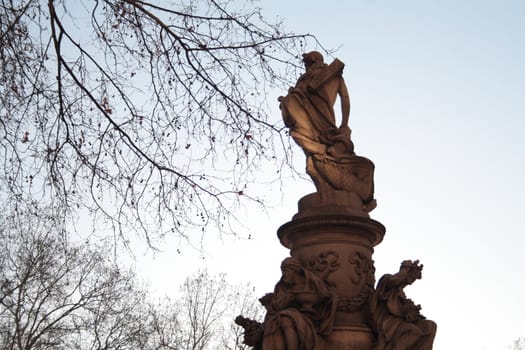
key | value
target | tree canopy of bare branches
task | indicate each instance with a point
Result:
(56, 294)
(151, 116)
(207, 307)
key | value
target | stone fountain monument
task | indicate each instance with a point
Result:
(326, 298)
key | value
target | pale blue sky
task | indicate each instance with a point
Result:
(438, 104)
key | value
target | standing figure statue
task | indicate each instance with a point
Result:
(309, 113)
(308, 110)
(299, 312)
(395, 318)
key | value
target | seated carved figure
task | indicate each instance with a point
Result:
(308, 110)
(299, 311)
(395, 318)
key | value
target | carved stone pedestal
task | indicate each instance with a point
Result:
(336, 243)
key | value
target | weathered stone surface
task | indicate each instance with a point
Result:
(339, 249)
(351, 337)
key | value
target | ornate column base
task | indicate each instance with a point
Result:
(335, 241)
(326, 299)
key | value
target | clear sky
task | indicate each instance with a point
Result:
(438, 104)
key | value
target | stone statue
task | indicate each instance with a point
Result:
(308, 110)
(395, 318)
(299, 312)
(325, 298)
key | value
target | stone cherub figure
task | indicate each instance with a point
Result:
(395, 318)
(299, 312)
(308, 110)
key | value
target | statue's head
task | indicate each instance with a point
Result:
(291, 263)
(411, 270)
(311, 58)
(290, 268)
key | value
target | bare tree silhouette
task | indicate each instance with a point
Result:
(149, 116)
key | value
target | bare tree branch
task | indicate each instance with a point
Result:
(151, 119)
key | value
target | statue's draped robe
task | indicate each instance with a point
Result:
(308, 108)
(307, 326)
